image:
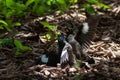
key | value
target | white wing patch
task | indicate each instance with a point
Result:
(64, 55)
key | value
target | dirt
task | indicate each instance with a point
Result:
(105, 48)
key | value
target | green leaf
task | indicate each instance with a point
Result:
(57, 33)
(20, 6)
(18, 53)
(6, 41)
(89, 8)
(1, 27)
(10, 3)
(49, 2)
(41, 9)
(73, 1)
(96, 2)
(29, 2)
(61, 1)
(36, 5)
(19, 45)
(48, 36)
(78, 64)
(93, 1)
(9, 14)
(103, 5)
(17, 24)
(3, 22)
(5, 25)
(45, 24)
(77, 77)
(25, 48)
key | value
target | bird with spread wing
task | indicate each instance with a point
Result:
(74, 45)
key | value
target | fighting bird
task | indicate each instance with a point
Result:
(69, 47)
(51, 58)
(81, 34)
(67, 55)
(78, 41)
(72, 51)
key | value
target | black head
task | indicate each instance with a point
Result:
(61, 38)
(61, 41)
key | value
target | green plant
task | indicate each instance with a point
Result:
(22, 8)
(9, 42)
(78, 64)
(11, 8)
(51, 28)
(6, 42)
(44, 6)
(4, 24)
(20, 47)
(77, 77)
(88, 6)
(8, 25)
(8, 9)
(48, 36)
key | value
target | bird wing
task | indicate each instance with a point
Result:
(67, 49)
(64, 56)
(83, 37)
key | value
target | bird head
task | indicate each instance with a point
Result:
(61, 38)
(70, 37)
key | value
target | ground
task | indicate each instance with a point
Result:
(105, 48)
